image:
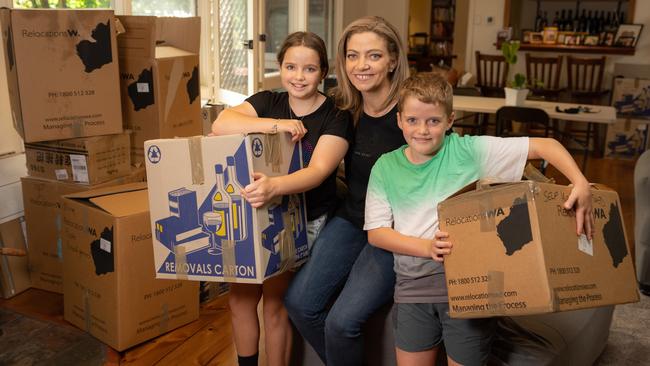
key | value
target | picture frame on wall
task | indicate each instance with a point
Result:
(627, 35)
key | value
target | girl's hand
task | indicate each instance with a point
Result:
(294, 127)
(260, 191)
(440, 246)
(580, 200)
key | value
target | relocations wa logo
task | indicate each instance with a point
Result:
(50, 34)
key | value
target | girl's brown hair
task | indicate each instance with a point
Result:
(346, 95)
(309, 40)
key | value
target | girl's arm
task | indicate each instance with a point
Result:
(580, 198)
(243, 119)
(327, 155)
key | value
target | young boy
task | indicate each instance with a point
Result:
(404, 190)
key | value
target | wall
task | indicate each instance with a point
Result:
(396, 12)
(419, 16)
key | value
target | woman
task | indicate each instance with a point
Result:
(371, 66)
(325, 131)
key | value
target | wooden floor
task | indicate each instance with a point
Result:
(207, 341)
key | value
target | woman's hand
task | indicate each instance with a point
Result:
(260, 191)
(440, 246)
(580, 199)
(294, 127)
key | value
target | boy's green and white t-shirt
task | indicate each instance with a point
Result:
(404, 196)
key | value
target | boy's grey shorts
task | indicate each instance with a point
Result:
(421, 327)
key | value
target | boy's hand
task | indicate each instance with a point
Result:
(580, 200)
(260, 191)
(440, 246)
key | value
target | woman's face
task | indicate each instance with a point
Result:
(300, 72)
(368, 62)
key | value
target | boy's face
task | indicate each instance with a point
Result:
(424, 126)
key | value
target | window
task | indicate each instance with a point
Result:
(166, 8)
(69, 4)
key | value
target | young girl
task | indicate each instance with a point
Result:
(325, 131)
(371, 66)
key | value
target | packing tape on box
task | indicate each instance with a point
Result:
(86, 301)
(487, 221)
(273, 156)
(196, 159)
(163, 324)
(287, 244)
(229, 262)
(180, 258)
(495, 287)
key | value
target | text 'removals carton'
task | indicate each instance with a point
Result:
(109, 287)
(202, 227)
(159, 79)
(62, 72)
(516, 252)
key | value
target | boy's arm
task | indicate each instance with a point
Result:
(552, 151)
(391, 240)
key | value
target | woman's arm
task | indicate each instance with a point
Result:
(329, 152)
(243, 119)
(552, 151)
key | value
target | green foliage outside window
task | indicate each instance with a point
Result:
(69, 4)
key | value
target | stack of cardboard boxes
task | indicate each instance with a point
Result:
(81, 136)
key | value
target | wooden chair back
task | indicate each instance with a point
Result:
(546, 70)
(585, 75)
(491, 74)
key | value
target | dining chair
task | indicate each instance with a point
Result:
(470, 121)
(584, 85)
(491, 74)
(543, 73)
(535, 123)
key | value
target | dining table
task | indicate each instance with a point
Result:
(591, 115)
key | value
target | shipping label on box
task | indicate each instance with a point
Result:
(159, 79)
(43, 202)
(62, 72)
(110, 288)
(89, 160)
(203, 228)
(516, 252)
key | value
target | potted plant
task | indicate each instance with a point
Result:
(516, 91)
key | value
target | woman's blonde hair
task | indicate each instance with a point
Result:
(346, 95)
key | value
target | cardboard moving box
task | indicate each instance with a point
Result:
(110, 289)
(62, 72)
(159, 78)
(202, 227)
(516, 252)
(14, 273)
(42, 198)
(89, 160)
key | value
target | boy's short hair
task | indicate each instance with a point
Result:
(427, 88)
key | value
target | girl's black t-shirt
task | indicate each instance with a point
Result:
(373, 136)
(326, 120)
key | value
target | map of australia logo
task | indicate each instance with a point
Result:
(97, 53)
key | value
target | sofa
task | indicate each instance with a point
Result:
(573, 338)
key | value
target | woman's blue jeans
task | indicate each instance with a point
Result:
(341, 260)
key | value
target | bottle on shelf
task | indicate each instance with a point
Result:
(555, 21)
(538, 21)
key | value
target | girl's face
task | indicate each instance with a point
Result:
(368, 62)
(300, 72)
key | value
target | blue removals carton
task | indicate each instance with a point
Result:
(202, 228)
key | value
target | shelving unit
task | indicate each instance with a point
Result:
(437, 46)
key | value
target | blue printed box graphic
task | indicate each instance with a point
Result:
(210, 232)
